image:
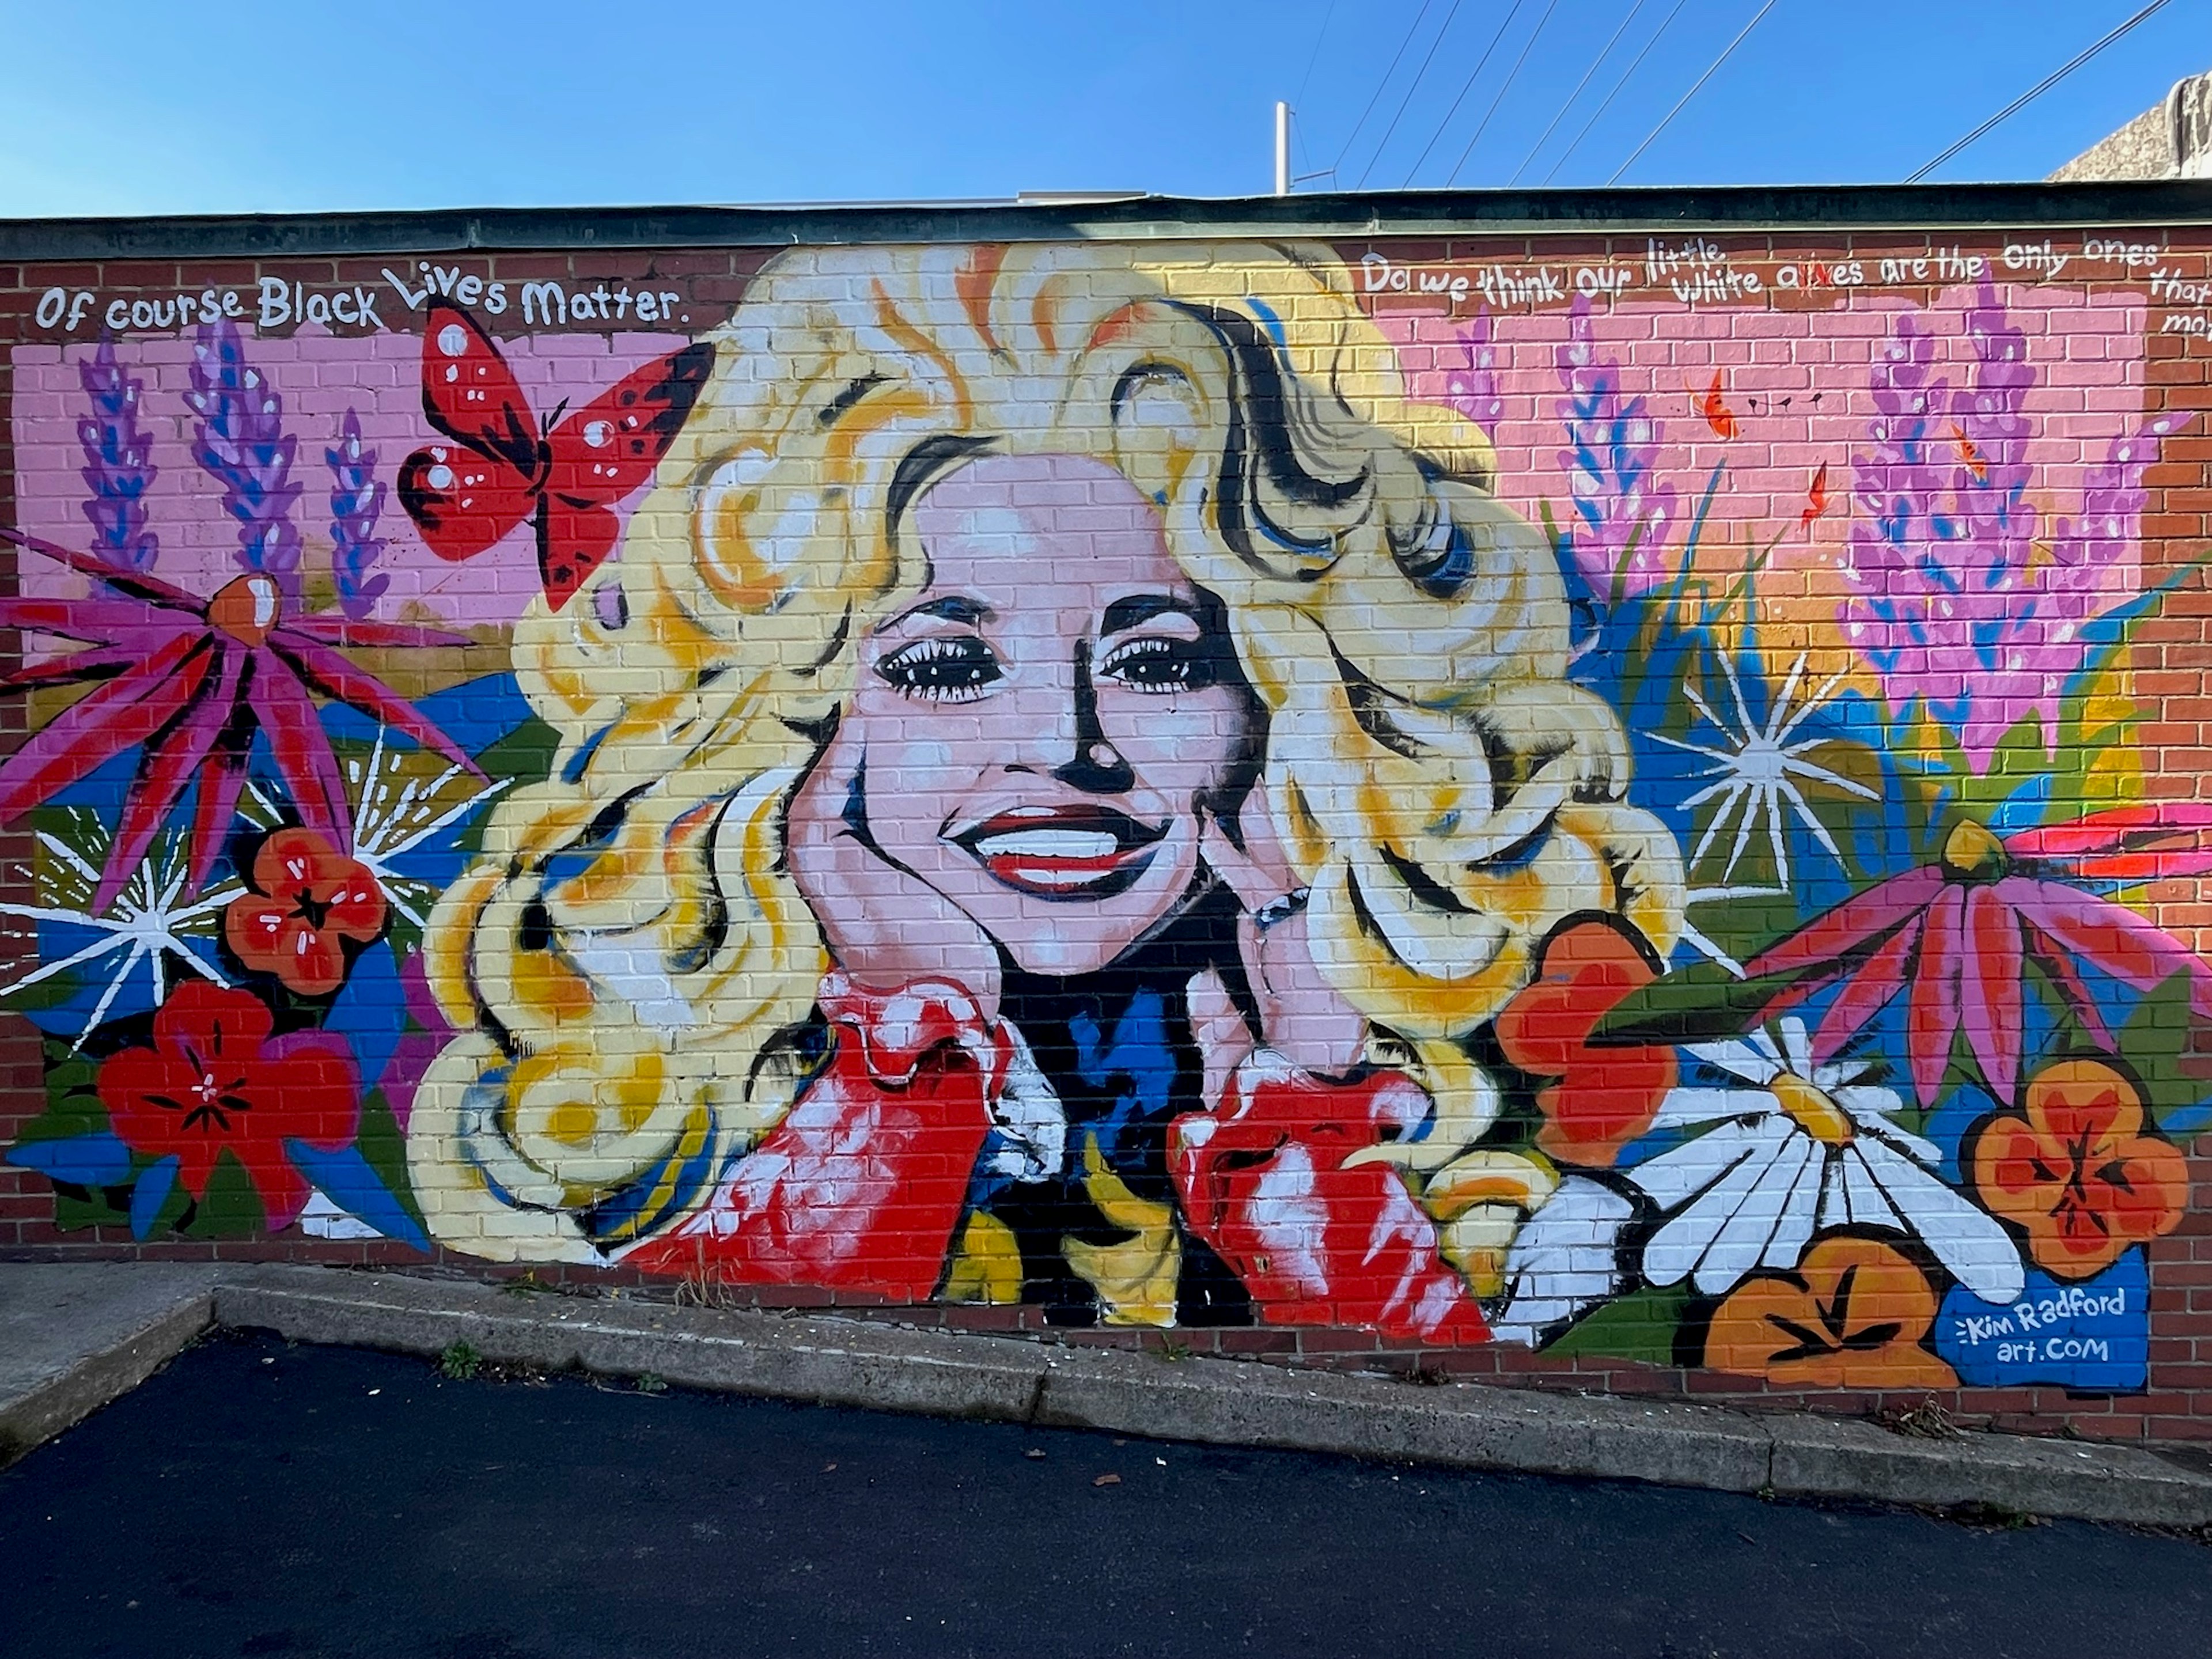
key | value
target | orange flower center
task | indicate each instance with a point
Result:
(246, 609)
(1813, 1112)
(1972, 851)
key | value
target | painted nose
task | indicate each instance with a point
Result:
(1066, 736)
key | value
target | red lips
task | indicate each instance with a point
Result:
(1063, 852)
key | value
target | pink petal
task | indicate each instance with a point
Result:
(126, 710)
(332, 629)
(1853, 923)
(134, 583)
(1931, 1021)
(97, 622)
(2114, 938)
(1989, 990)
(301, 748)
(1865, 993)
(167, 769)
(2128, 843)
(2050, 956)
(334, 676)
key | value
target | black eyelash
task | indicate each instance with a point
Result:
(942, 669)
(1188, 666)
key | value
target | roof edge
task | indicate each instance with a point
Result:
(1736, 209)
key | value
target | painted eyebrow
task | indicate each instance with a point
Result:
(1136, 611)
(952, 609)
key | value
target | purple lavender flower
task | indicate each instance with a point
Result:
(1471, 388)
(241, 443)
(119, 464)
(1953, 606)
(356, 498)
(1620, 544)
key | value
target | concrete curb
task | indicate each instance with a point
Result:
(862, 1363)
(81, 1335)
(849, 1362)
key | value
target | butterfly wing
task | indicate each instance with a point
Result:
(462, 503)
(573, 539)
(602, 453)
(471, 395)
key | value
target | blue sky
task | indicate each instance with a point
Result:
(141, 108)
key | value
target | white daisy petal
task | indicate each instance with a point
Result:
(1683, 1107)
(1977, 1252)
(1905, 1140)
(1866, 1103)
(1862, 1196)
(1796, 1047)
(1794, 1230)
(1672, 1176)
(1741, 1059)
(1835, 1197)
(1564, 1259)
(1835, 1074)
(1680, 1245)
(1741, 1245)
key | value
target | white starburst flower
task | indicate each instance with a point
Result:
(1758, 768)
(402, 796)
(1802, 1148)
(149, 923)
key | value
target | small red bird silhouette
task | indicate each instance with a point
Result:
(1816, 498)
(1718, 415)
(1969, 455)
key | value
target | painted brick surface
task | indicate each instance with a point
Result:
(1619, 811)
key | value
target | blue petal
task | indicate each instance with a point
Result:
(93, 1160)
(151, 1192)
(371, 1013)
(346, 1179)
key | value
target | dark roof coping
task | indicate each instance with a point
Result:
(1736, 209)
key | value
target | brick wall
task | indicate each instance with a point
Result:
(1618, 810)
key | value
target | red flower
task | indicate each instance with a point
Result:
(2074, 1169)
(1601, 1098)
(1958, 931)
(213, 1082)
(194, 680)
(307, 899)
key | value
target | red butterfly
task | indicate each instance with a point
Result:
(561, 477)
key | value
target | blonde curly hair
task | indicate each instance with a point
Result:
(630, 956)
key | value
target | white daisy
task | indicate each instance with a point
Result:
(1563, 1260)
(1803, 1148)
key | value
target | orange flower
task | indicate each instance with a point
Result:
(1853, 1315)
(305, 901)
(2075, 1170)
(1600, 1099)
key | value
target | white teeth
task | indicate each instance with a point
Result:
(1049, 844)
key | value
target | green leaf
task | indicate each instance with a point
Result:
(385, 1149)
(1641, 1326)
(2157, 1044)
(1696, 1004)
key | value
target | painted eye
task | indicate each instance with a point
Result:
(957, 669)
(1162, 666)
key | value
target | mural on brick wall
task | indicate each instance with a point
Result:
(1596, 807)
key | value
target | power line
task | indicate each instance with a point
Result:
(1465, 87)
(1372, 97)
(1411, 86)
(1314, 56)
(2035, 92)
(1696, 86)
(1627, 74)
(1527, 46)
(1544, 137)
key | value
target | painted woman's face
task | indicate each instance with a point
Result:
(1040, 724)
